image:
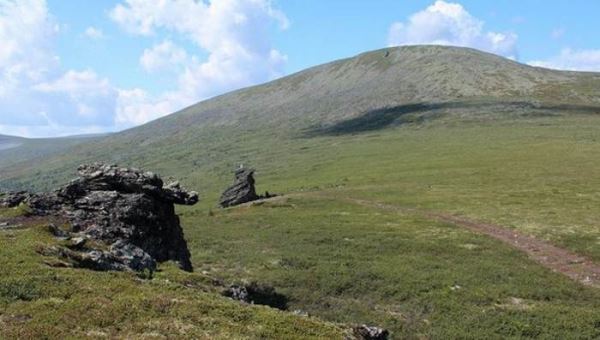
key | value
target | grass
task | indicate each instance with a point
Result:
(510, 156)
(346, 263)
(40, 302)
(537, 175)
(420, 279)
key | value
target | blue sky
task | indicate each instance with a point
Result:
(72, 67)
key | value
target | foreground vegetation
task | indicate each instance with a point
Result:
(41, 302)
(420, 279)
(348, 263)
(481, 137)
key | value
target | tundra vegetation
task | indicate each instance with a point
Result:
(489, 139)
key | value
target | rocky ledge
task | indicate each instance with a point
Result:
(119, 218)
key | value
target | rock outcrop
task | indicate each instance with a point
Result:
(127, 213)
(242, 190)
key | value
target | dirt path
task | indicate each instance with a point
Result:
(576, 267)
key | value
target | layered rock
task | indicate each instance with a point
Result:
(129, 213)
(242, 190)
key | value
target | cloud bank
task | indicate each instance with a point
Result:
(38, 97)
(234, 34)
(446, 23)
(572, 60)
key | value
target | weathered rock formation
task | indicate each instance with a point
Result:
(242, 190)
(128, 215)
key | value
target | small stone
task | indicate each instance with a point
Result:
(78, 242)
(300, 312)
(259, 294)
(365, 332)
(57, 232)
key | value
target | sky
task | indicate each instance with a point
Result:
(95, 66)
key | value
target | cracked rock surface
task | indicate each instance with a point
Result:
(128, 213)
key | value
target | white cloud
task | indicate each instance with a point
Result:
(136, 107)
(77, 83)
(163, 56)
(26, 56)
(94, 33)
(234, 33)
(84, 92)
(445, 23)
(40, 98)
(37, 98)
(572, 60)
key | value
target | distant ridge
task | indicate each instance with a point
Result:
(373, 90)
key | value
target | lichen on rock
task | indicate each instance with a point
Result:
(129, 211)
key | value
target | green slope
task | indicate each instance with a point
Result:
(440, 129)
(17, 150)
(9, 142)
(371, 91)
(41, 302)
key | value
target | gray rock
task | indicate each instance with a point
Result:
(259, 294)
(13, 199)
(242, 190)
(365, 332)
(120, 257)
(57, 232)
(239, 293)
(78, 242)
(128, 210)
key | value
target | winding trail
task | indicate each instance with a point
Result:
(559, 260)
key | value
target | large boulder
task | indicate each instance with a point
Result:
(129, 212)
(242, 190)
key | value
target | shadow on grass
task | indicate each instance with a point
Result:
(420, 112)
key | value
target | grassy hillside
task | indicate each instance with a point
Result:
(375, 90)
(41, 302)
(17, 150)
(9, 142)
(439, 129)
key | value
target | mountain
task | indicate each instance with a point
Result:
(9, 142)
(18, 150)
(436, 192)
(372, 91)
